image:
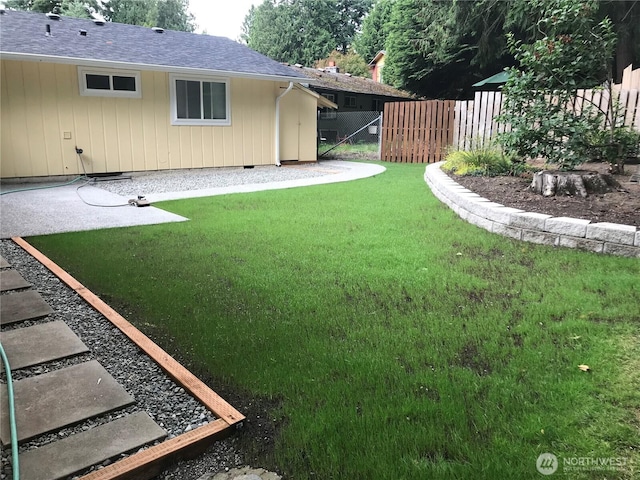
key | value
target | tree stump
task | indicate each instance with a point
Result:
(549, 183)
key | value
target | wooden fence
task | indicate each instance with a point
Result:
(417, 132)
(423, 131)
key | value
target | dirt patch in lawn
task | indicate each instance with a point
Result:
(622, 206)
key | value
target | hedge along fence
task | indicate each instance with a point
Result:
(422, 132)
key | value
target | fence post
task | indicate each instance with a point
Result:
(380, 137)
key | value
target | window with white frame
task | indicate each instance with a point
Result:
(199, 100)
(102, 82)
(328, 113)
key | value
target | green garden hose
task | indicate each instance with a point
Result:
(12, 417)
(42, 188)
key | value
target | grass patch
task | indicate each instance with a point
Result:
(401, 341)
(349, 150)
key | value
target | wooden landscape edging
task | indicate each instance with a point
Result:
(149, 462)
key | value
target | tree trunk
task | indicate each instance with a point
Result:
(549, 183)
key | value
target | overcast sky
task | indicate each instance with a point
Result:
(222, 18)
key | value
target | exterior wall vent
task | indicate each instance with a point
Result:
(158, 29)
(53, 16)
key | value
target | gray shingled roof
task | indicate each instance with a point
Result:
(22, 35)
(348, 83)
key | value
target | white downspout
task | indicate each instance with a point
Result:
(278, 122)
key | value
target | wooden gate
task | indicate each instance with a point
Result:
(417, 132)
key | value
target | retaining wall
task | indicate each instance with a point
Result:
(608, 238)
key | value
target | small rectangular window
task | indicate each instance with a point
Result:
(98, 82)
(125, 84)
(328, 113)
(198, 101)
(102, 82)
(350, 101)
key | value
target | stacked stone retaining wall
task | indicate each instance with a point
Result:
(608, 238)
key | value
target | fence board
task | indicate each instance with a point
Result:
(422, 131)
(632, 105)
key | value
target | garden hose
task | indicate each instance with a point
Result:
(44, 187)
(12, 417)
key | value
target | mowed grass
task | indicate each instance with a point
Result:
(399, 341)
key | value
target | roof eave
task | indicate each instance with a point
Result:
(87, 62)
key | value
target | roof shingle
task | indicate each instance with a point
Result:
(23, 34)
(348, 83)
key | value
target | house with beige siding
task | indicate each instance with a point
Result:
(136, 98)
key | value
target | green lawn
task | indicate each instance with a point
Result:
(398, 341)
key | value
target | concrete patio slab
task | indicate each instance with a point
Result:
(61, 209)
(41, 343)
(27, 211)
(12, 280)
(4, 263)
(77, 452)
(64, 397)
(20, 306)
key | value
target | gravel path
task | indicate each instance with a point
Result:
(202, 179)
(155, 393)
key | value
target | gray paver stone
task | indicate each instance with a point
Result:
(40, 343)
(75, 453)
(60, 398)
(20, 306)
(12, 280)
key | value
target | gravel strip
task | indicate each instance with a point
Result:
(155, 393)
(199, 179)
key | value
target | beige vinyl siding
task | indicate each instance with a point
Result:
(298, 121)
(41, 101)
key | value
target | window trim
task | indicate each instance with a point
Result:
(89, 92)
(328, 113)
(347, 104)
(194, 121)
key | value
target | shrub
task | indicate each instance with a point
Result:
(484, 161)
(572, 52)
(614, 146)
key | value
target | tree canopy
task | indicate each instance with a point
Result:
(349, 62)
(439, 48)
(303, 31)
(169, 14)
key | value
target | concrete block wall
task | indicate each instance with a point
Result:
(608, 238)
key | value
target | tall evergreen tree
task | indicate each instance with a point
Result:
(375, 30)
(303, 31)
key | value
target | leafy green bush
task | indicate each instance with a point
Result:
(482, 161)
(574, 51)
(614, 146)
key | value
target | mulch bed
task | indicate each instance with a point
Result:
(621, 206)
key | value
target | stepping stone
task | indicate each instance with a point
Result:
(75, 453)
(4, 263)
(61, 398)
(12, 280)
(41, 343)
(20, 306)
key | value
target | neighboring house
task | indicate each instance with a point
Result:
(136, 98)
(350, 93)
(376, 66)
